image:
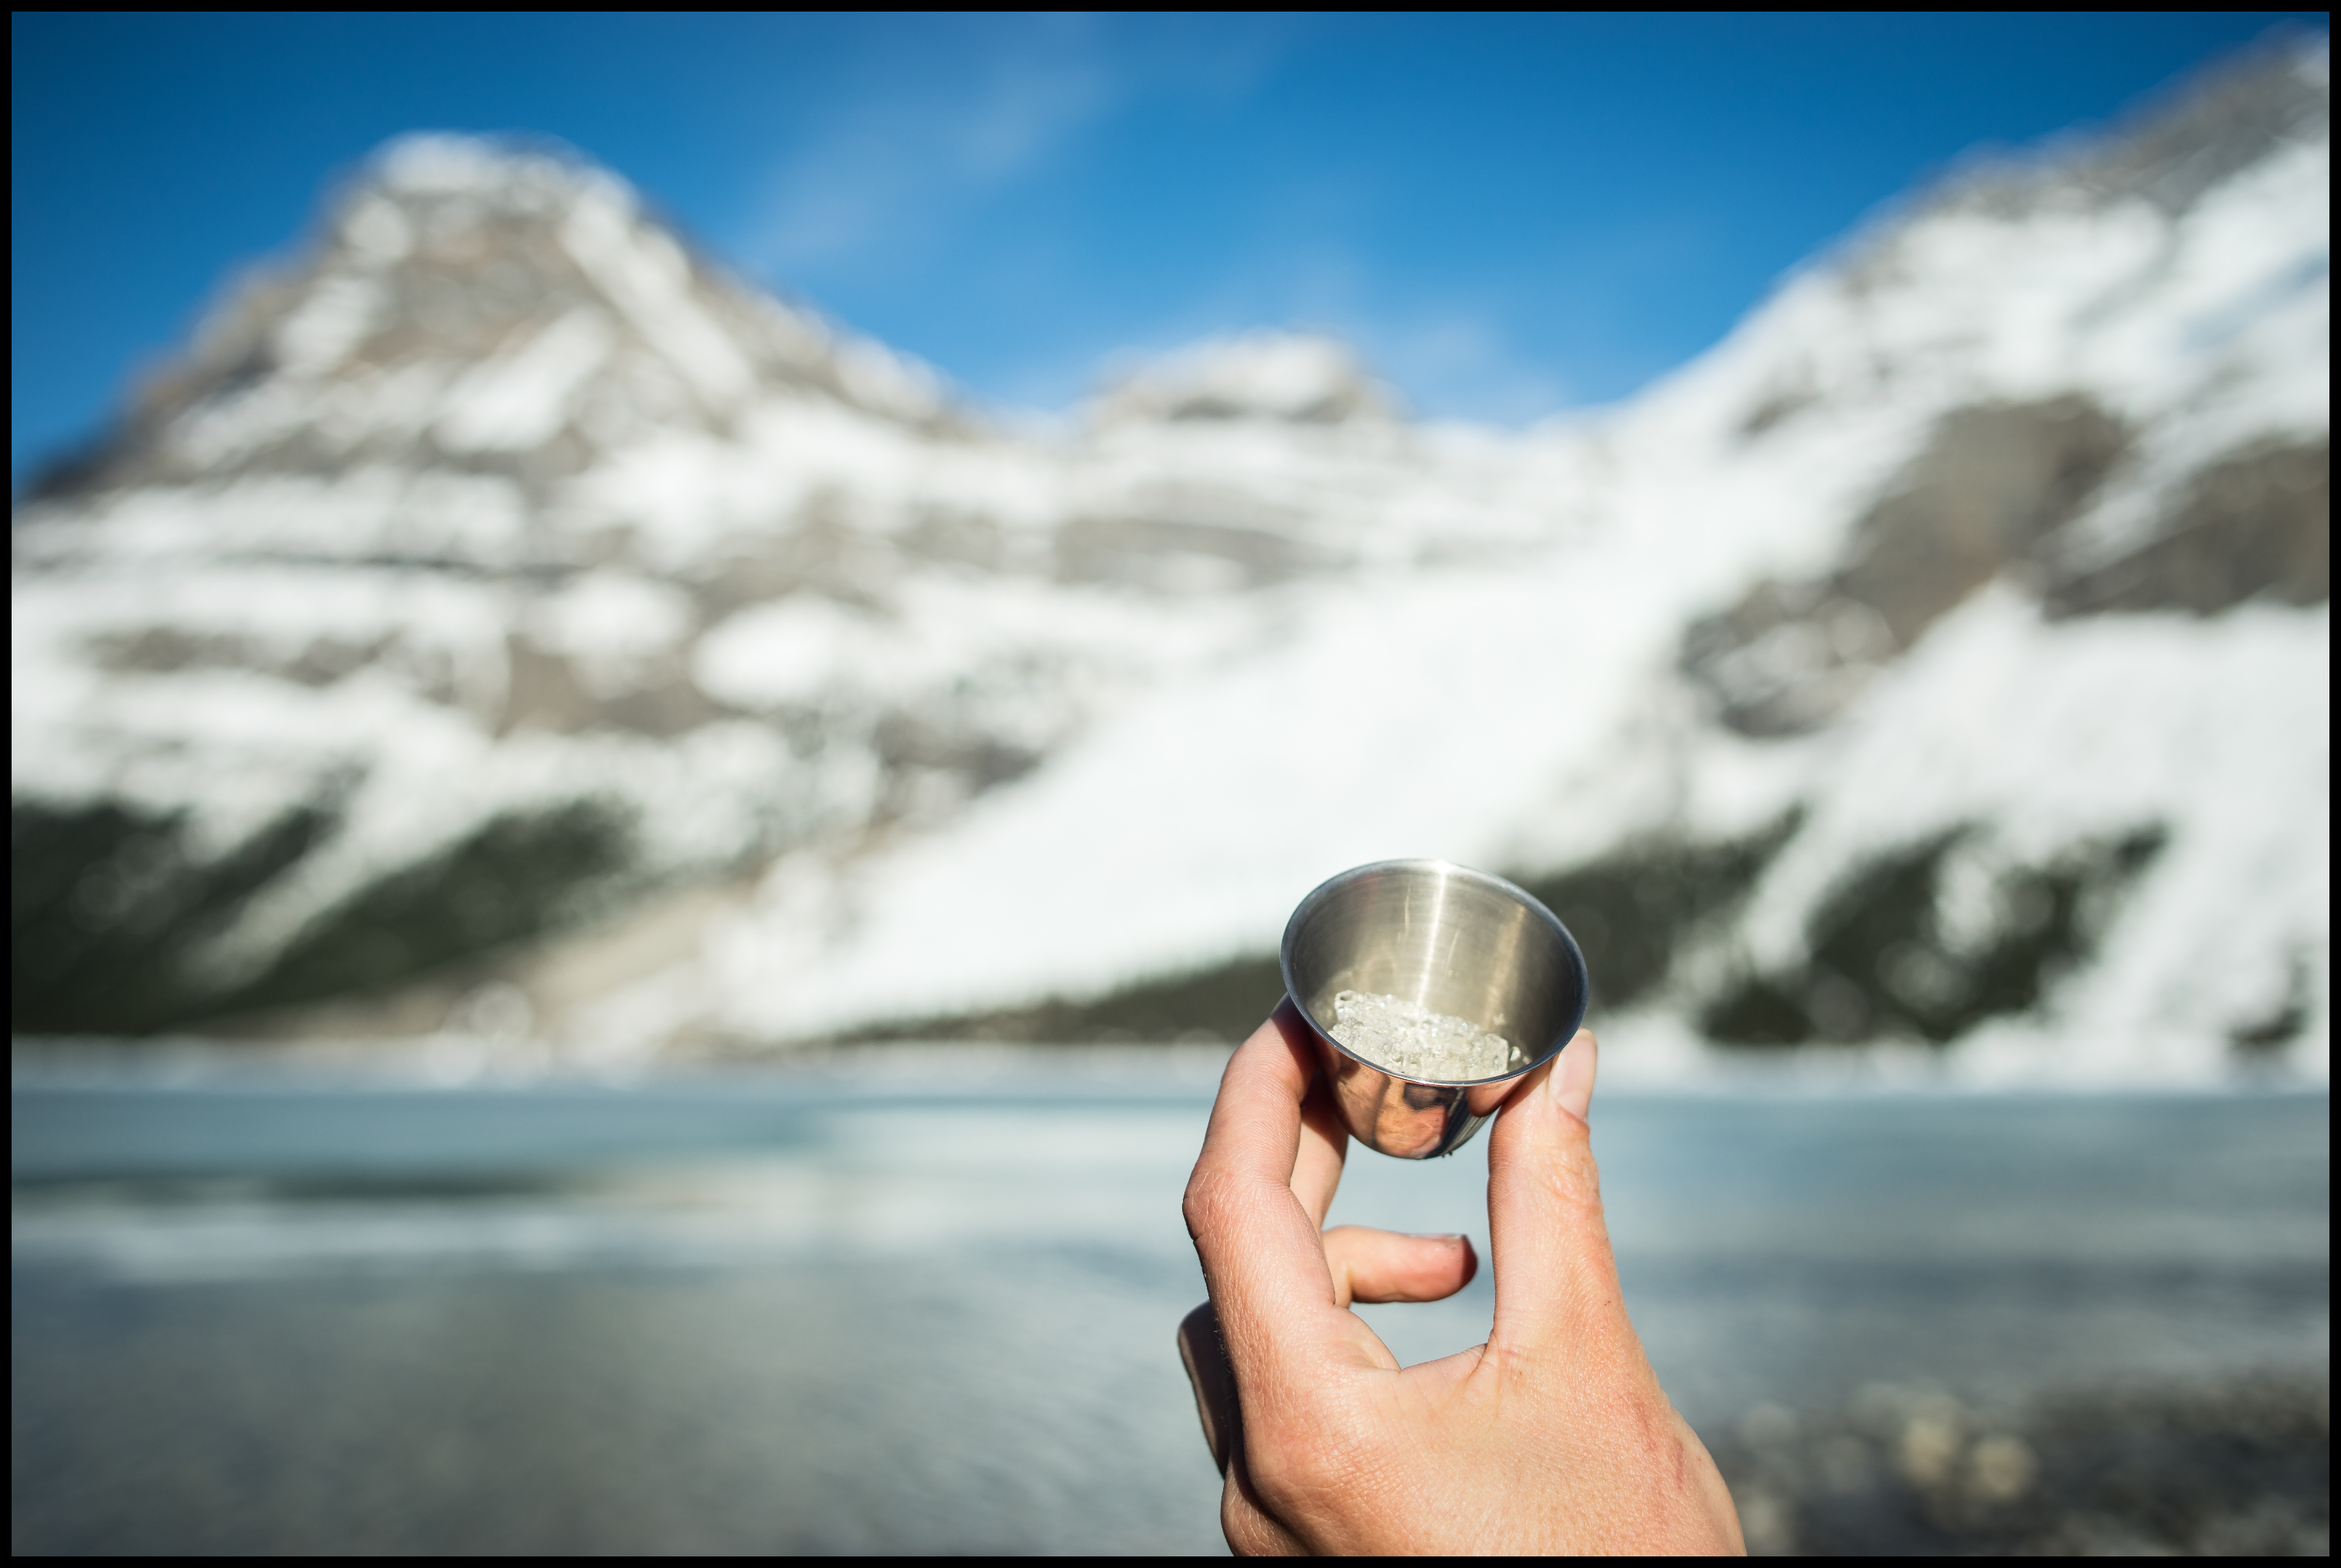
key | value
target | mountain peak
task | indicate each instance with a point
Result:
(1292, 378)
(484, 306)
(442, 163)
(2175, 149)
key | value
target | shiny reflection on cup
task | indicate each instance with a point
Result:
(1452, 940)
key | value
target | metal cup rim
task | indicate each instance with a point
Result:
(1535, 906)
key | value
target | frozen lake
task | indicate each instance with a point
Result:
(910, 1305)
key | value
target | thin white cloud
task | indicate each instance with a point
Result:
(940, 114)
(1455, 362)
(908, 156)
(935, 128)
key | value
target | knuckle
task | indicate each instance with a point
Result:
(1285, 1473)
(1299, 1457)
(1571, 1172)
(1209, 1199)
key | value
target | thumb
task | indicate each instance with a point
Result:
(1556, 1278)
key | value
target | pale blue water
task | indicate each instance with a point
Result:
(885, 1309)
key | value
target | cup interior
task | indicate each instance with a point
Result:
(1445, 937)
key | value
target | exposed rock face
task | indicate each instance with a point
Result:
(2257, 524)
(1946, 648)
(1981, 499)
(1985, 499)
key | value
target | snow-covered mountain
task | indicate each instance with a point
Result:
(503, 621)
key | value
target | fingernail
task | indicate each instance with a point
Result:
(1439, 1235)
(1572, 1083)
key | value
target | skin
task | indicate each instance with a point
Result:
(1552, 1437)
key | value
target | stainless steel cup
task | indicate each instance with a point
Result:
(1448, 939)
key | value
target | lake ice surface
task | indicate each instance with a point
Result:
(918, 1308)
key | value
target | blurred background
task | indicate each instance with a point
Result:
(672, 677)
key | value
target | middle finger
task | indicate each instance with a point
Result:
(1324, 1148)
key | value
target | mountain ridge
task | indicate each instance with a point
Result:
(450, 608)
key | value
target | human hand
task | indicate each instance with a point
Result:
(1552, 1437)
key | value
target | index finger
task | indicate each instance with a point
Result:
(1262, 1253)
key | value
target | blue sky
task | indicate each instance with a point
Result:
(1511, 215)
